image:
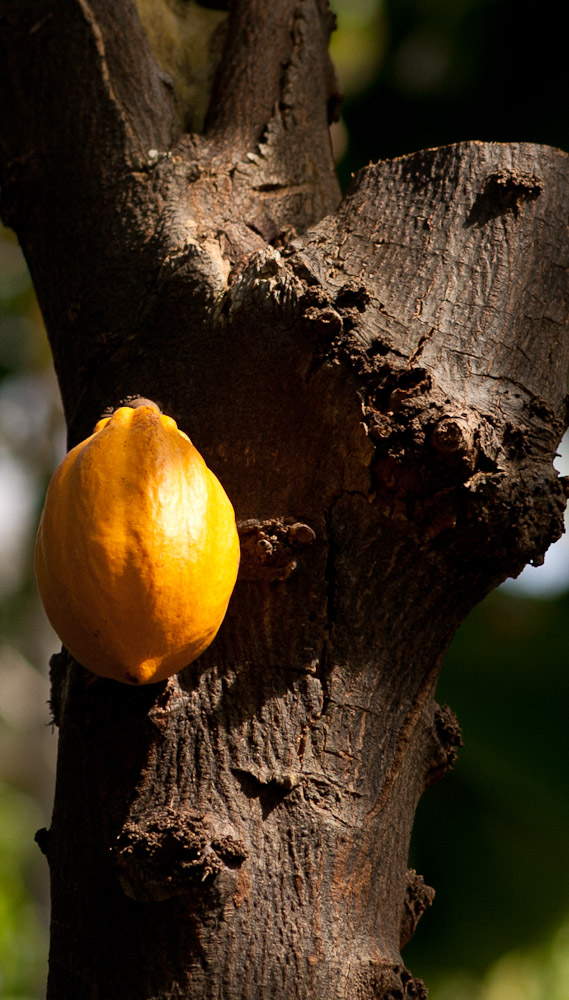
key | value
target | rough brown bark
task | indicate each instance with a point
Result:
(380, 385)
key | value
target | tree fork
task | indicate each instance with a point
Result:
(380, 386)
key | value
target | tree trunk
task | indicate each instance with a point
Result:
(379, 383)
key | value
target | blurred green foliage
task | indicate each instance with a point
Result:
(30, 440)
(493, 836)
(22, 930)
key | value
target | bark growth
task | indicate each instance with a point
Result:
(380, 384)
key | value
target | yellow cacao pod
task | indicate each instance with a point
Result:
(137, 550)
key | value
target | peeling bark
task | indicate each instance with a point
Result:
(379, 383)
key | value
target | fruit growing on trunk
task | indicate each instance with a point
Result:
(137, 550)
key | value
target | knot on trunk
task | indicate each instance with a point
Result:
(418, 897)
(171, 854)
(394, 982)
(269, 549)
(447, 740)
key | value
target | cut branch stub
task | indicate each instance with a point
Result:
(466, 300)
(440, 303)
